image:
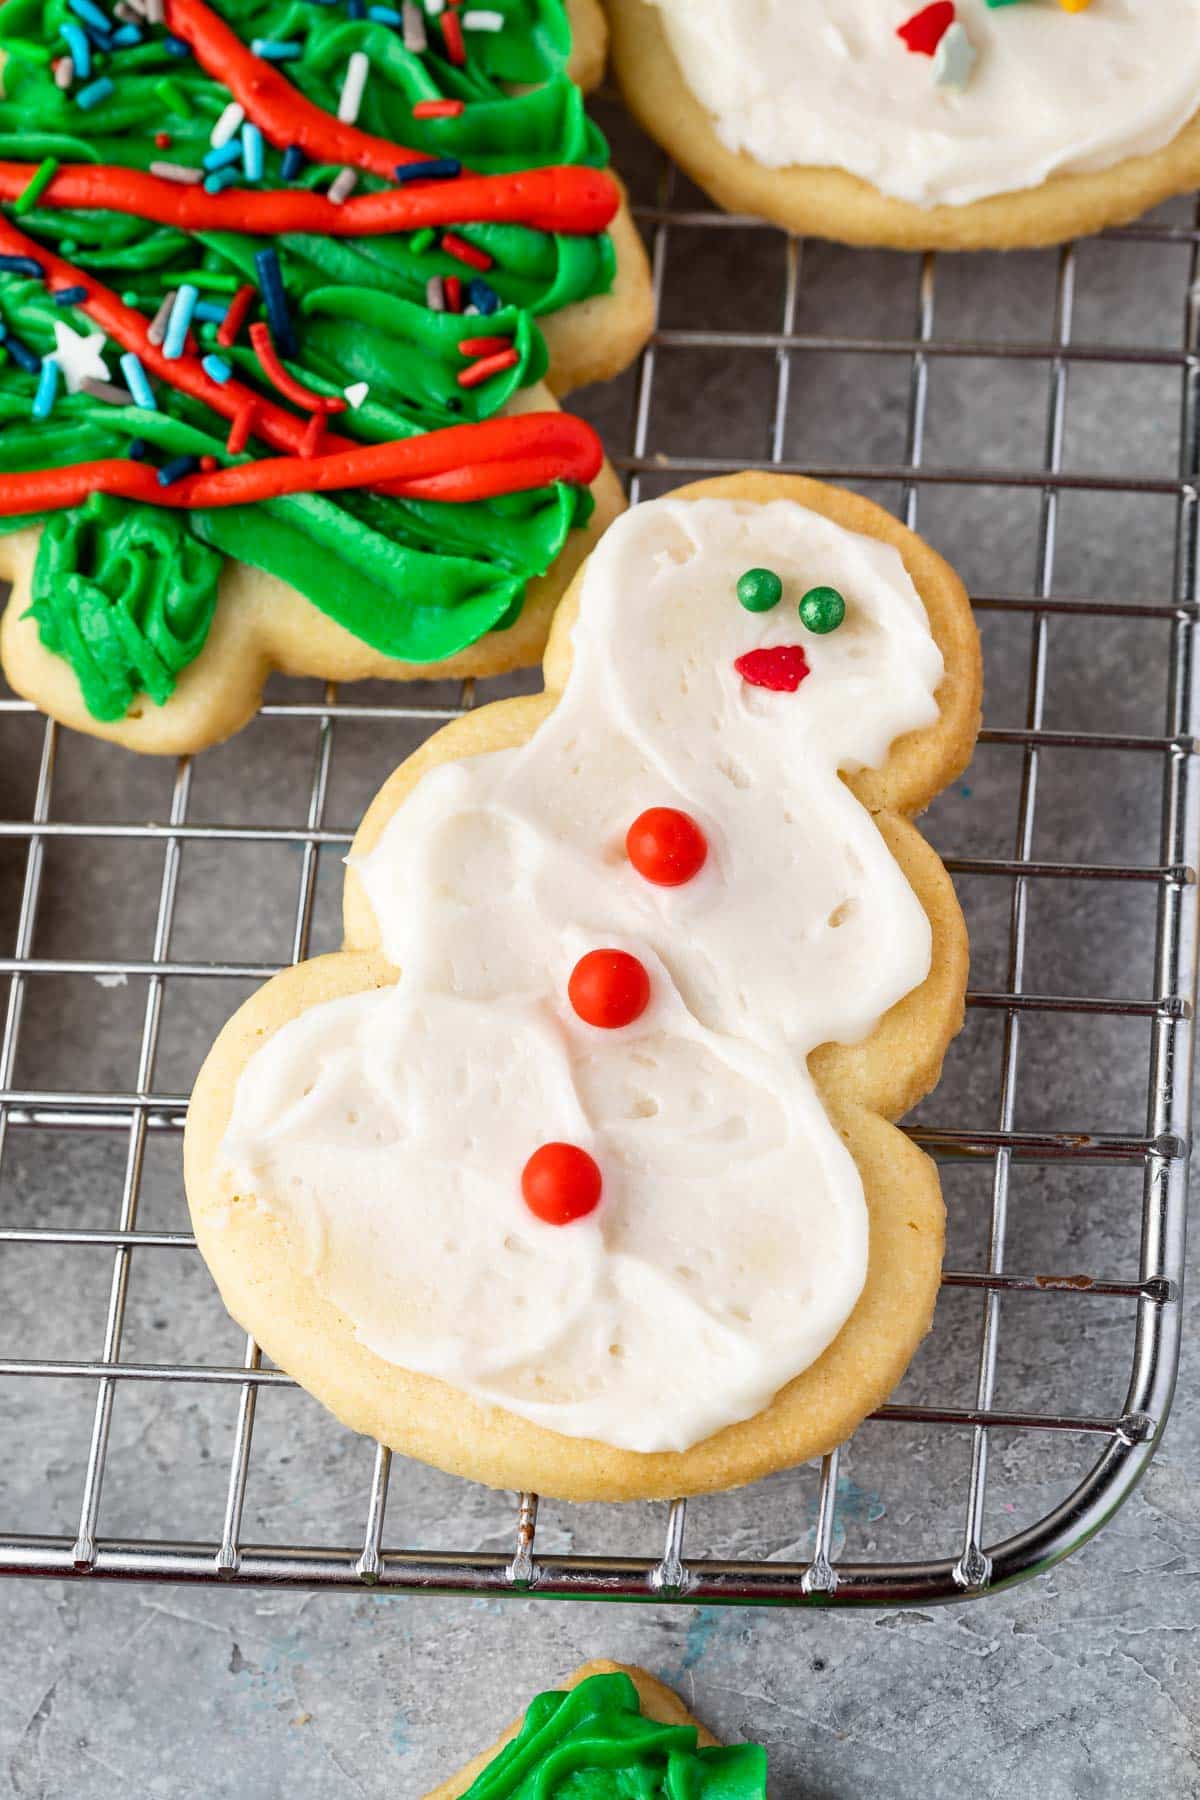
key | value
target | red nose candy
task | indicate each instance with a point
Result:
(926, 29)
(609, 988)
(665, 846)
(561, 1182)
(781, 667)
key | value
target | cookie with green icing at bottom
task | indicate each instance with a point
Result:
(611, 1731)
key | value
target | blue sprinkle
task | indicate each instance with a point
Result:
(356, 9)
(273, 50)
(484, 297)
(91, 15)
(47, 388)
(252, 151)
(385, 15)
(186, 297)
(210, 312)
(137, 381)
(22, 265)
(3, 331)
(127, 35)
(70, 296)
(221, 179)
(93, 93)
(176, 46)
(224, 155)
(137, 450)
(103, 40)
(270, 280)
(178, 465)
(22, 355)
(434, 168)
(293, 162)
(79, 48)
(216, 368)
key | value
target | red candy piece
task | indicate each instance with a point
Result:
(926, 29)
(665, 846)
(609, 988)
(561, 1182)
(781, 667)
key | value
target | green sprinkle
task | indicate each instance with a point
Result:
(217, 281)
(420, 241)
(759, 590)
(68, 247)
(38, 182)
(129, 298)
(822, 609)
(173, 98)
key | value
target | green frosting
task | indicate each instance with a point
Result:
(416, 580)
(592, 1743)
(126, 593)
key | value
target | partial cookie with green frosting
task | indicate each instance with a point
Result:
(224, 162)
(611, 1731)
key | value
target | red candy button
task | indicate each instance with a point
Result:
(782, 667)
(560, 1182)
(926, 29)
(609, 988)
(665, 846)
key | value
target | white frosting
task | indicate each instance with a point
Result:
(391, 1128)
(828, 84)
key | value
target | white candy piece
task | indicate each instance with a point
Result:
(356, 393)
(79, 358)
(954, 57)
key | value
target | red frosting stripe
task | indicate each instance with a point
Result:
(461, 462)
(284, 117)
(531, 458)
(557, 199)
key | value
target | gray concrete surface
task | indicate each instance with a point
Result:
(1083, 1683)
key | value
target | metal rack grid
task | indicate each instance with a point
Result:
(140, 1114)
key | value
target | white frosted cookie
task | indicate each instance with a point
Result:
(984, 126)
(275, 316)
(598, 1197)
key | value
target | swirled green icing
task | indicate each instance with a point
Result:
(126, 593)
(592, 1743)
(416, 580)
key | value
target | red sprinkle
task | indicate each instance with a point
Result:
(239, 431)
(926, 29)
(452, 33)
(483, 346)
(286, 383)
(609, 988)
(235, 317)
(561, 1182)
(487, 366)
(314, 431)
(207, 464)
(438, 109)
(666, 846)
(454, 245)
(781, 667)
(452, 287)
(162, 140)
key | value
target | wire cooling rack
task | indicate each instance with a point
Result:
(140, 1439)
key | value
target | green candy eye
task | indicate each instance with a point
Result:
(759, 590)
(822, 609)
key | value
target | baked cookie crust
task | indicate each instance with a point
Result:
(659, 1702)
(830, 203)
(863, 1086)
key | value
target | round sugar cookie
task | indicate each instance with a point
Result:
(1032, 123)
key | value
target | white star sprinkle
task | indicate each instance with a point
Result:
(954, 58)
(356, 393)
(78, 357)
